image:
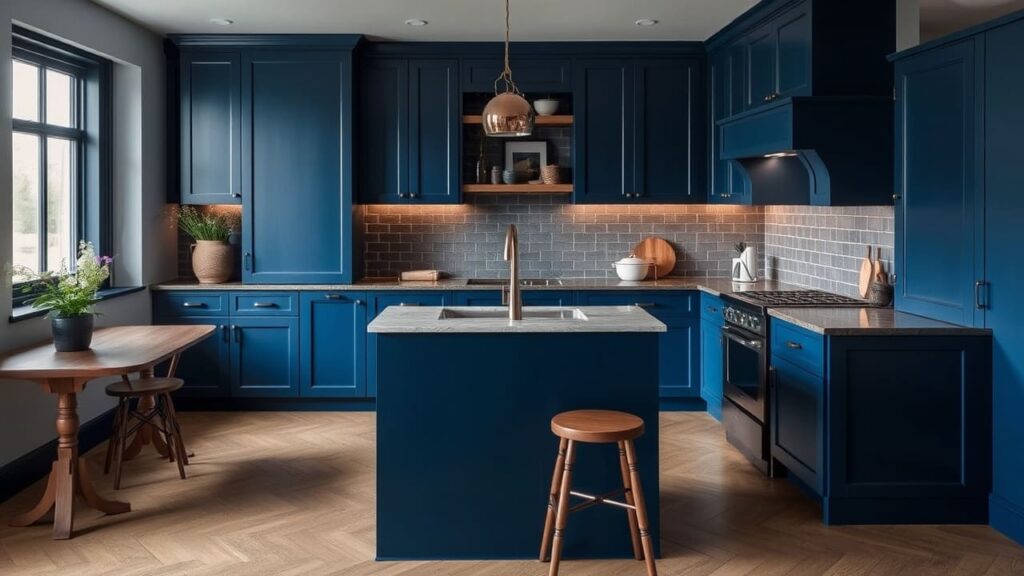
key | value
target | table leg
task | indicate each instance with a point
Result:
(67, 478)
(146, 434)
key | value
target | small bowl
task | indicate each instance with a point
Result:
(545, 106)
(632, 269)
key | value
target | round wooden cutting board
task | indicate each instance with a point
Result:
(660, 252)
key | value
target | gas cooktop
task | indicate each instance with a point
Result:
(796, 299)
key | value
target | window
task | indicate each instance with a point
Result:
(60, 183)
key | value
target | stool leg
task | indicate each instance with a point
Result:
(169, 436)
(641, 509)
(113, 438)
(556, 483)
(634, 531)
(176, 427)
(563, 507)
(122, 440)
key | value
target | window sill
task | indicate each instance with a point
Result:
(20, 313)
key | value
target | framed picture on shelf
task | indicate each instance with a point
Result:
(526, 159)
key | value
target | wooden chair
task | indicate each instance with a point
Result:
(596, 427)
(161, 417)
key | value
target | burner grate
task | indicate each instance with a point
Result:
(798, 298)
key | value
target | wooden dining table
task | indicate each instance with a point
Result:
(115, 351)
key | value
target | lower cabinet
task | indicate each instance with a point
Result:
(205, 367)
(264, 357)
(380, 301)
(333, 344)
(798, 421)
(711, 356)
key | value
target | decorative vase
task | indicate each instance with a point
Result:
(495, 175)
(550, 174)
(508, 176)
(72, 333)
(213, 261)
(880, 294)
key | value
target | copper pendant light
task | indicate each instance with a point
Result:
(508, 114)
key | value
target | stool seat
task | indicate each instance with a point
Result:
(597, 426)
(131, 388)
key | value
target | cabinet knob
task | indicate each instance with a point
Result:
(236, 194)
(359, 302)
(712, 310)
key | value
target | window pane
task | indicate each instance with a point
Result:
(59, 96)
(26, 91)
(26, 199)
(59, 185)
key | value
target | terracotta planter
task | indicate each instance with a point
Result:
(213, 261)
(73, 333)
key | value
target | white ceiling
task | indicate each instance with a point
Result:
(449, 20)
(941, 17)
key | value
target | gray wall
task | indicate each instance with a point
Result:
(144, 243)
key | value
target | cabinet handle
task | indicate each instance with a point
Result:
(794, 345)
(237, 333)
(712, 309)
(332, 296)
(644, 304)
(194, 305)
(224, 333)
(264, 305)
(408, 303)
(358, 302)
(977, 295)
(896, 197)
(236, 194)
(248, 261)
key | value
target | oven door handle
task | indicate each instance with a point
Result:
(733, 334)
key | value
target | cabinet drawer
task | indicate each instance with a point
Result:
(258, 303)
(403, 298)
(801, 347)
(178, 304)
(711, 308)
(657, 303)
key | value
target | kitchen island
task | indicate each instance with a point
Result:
(464, 445)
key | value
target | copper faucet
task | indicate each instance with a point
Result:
(515, 297)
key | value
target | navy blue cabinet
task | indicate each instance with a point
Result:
(534, 76)
(939, 180)
(798, 421)
(711, 353)
(209, 109)
(410, 118)
(265, 357)
(638, 131)
(333, 344)
(727, 80)
(205, 367)
(779, 57)
(297, 173)
(377, 302)
(679, 347)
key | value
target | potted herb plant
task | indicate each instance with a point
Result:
(213, 259)
(69, 296)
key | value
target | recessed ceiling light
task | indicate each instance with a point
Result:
(222, 21)
(417, 22)
(646, 22)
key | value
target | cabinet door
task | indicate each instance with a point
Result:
(793, 52)
(711, 366)
(434, 131)
(718, 109)
(333, 345)
(761, 54)
(1004, 203)
(532, 75)
(798, 421)
(297, 177)
(603, 106)
(210, 104)
(669, 141)
(939, 184)
(205, 367)
(384, 129)
(679, 358)
(265, 357)
(379, 302)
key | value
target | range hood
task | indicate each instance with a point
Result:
(822, 151)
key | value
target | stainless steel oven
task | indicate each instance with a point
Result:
(745, 370)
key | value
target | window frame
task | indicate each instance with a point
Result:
(91, 203)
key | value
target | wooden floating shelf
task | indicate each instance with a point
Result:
(518, 188)
(553, 120)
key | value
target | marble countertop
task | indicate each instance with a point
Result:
(494, 320)
(869, 322)
(714, 286)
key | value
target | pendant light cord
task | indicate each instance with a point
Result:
(506, 74)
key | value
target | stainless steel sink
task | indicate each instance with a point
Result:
(488, 313)
(523, 282)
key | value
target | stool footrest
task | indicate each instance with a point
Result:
(605, 498)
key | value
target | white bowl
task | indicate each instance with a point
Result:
(545, 106)
(631, 271)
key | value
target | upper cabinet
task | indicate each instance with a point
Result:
(410, 126)
(638, 131)
(778, 58)
(210, 127)
(536, 77)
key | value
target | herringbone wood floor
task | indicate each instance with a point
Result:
(293, 493)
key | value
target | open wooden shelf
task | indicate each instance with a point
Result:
(553, 120)
(518, 188)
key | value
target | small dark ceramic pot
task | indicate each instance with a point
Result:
(72, 334)
(880, 294)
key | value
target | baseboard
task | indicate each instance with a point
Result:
(682, 405)
(1006, 517)
(19, 474)
(839, 511)
(275, 404)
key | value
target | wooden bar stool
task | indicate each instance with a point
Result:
(596, 427)
(158, 415)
